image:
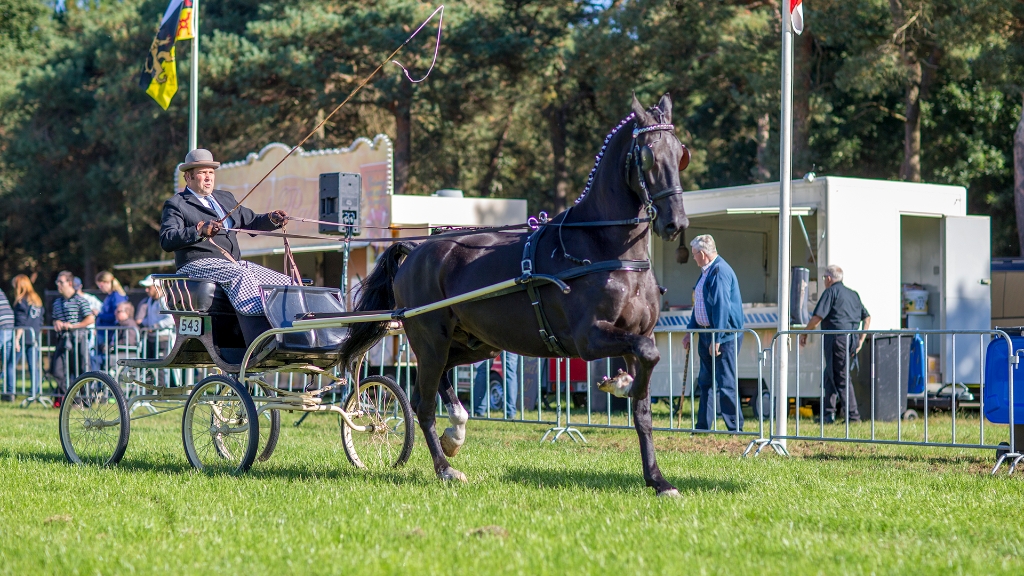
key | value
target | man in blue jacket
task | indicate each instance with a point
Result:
(717, 305)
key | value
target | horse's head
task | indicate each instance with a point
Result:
(655, 160)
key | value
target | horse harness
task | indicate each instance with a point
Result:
(642, 157)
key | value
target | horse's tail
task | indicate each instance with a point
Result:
(376, 292)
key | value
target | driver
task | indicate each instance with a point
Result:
(206, 249)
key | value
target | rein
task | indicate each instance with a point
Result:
(365, 81)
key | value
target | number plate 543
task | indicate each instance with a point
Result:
(190, 326)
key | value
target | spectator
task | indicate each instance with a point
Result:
(7, 347)
(71, 317)
(482, 390)
(838, 308)
(125, 315)
(717, 305)
(28, 327)
(158, 327)
(109, 285)
(94, 303)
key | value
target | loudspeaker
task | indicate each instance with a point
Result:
(340, 200)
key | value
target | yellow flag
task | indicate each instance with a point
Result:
(160, 76)
(165, 82)
(185, 22)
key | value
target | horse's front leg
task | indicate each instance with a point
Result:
(643, 422)
(641, 354)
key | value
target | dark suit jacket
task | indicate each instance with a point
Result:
(722, 300)
(183, 211)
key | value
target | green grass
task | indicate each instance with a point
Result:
(528, 508)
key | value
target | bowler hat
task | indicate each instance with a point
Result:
(199, 158)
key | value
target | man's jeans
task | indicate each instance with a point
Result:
(724, 367)
(28, 354)
(7, 356)
(481, 387)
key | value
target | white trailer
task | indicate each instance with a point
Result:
(883, 234)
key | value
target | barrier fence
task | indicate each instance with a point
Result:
(565, 397)
(897, 402)
(888, 380)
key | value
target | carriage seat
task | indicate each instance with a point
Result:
(194, 295)
(284, 303)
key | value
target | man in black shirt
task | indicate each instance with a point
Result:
(839, 308)
(71, 315)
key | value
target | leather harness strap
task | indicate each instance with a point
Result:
(529, 279)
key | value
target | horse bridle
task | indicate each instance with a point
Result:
(642, 157)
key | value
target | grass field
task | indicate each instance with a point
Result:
(528, 508)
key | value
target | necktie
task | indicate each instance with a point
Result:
(215, 206)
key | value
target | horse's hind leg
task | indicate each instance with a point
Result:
(455, 435)
(429, 374)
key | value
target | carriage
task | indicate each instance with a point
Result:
(636, 193)
(232, 418)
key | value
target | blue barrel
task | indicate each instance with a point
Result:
(918, 373)
(997, 391)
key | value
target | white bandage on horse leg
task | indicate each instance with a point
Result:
(618, 386)
(455, 435)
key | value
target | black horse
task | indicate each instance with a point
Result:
(599, 248)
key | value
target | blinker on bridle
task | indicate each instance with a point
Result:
(643, 158)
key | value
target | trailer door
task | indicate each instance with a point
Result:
(966, 294)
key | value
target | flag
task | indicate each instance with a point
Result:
(160, 75)
(185, 22)
(796, 15)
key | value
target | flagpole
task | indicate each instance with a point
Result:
(193, 82)
(785, 222)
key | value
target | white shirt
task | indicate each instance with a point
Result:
(211, 203)
(700, 311)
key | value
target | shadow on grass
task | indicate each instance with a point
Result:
(901, 458)
(609, 481)
(141, 463)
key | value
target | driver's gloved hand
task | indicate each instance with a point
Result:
(209, 229)
(278, 217)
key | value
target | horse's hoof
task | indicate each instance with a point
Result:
(670, 493)
(450, 473)
(448, 444)
(619, 386)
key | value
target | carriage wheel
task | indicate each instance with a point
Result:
(220, 429)
(94, 423)
(381, 406)
(270, 429)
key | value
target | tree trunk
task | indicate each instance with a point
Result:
(556, 125)
(920, 77)
(401, 107)
(1018, 179)
(762, 172)
(802, 104)
(910, 170)
(487, 184)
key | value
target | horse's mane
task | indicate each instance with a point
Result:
(597, 159)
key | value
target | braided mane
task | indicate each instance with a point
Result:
(597, 159)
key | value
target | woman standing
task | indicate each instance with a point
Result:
(109, 285)
(28, 324)
(107, 316)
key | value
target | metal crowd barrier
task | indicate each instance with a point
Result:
(553, 392)
(21, 364)
(888, 408)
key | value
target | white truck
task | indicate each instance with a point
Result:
(885, 235)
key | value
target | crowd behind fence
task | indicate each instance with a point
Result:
(967, 407)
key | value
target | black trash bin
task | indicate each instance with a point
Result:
(891, 355)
